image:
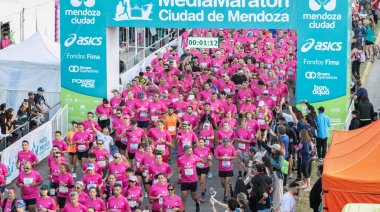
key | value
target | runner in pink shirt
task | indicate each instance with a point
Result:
(79, 189)
(139, 157)
(231, 121)
(225, 132)
(203, 169)
(258, 92)
(130, 99)
(44, 202)
(247, 106)
(187, 173)
(88, 126)
(26, 155)
(115, 101)
(191, 117)
(172, 202)
(283, 88)
(141, 109)
(118, 167)
(65, 185)
(185, 137)
(205, 61)
(253, 126)
(82, 140)
(94, 201)
(243, 137)
(228, 86)
(60, 143)
(274, 93)
(159, 167)
(156, 108)
(104, 113)
(101, 155)
(133, 193)
(225, 69)
(92, 179)
(205, 95)
(225, 153)
(11, 199)
(161, 139)
(230, 106)
(155, 60)
(51, 156)
(268, 102)
(53, 172)
(180, 105)
(157, 192)
(207, 134)
(28, 181)
(216, 106)
(134, 139)
(121, 135)
(92, 161)
(244, 93)
(146, 162)
(74, 204)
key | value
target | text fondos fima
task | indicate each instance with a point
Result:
(224, 3)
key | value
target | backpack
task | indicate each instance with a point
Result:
(13, 204)
(265, 113)
(313, 151)
(360, 56)
(312, 132)
(285, 167)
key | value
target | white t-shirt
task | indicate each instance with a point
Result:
(287, 117)
(288, 203)
(107, 140)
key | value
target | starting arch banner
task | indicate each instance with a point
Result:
(89, 39)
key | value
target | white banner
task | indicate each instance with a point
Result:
(40, 142)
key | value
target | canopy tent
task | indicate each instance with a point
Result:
(25, 67)
(9, 7)
(350, 172)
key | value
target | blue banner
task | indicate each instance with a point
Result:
(83, 54)
(323, 55)
(279, 14)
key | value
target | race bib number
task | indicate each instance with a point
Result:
(52, 192)
(124, 140)
(175, 100)
(102, 118)
(180, 114)
(28, 181)
(143, 114)
(161, 147)
(204, 65)
(154, 118)
(160, 201)
(119, 182)
(134, 146)
(63, 189)
(207, 142)
(186, 143)
(226, 163)
(189, 172)
(290, 73)
(138, 164)
(102, 163)
(145, 173)
(155, 181)
(261, 121)
(241, 146)
(114, 111)
(132, 204)
(216, 70)
(81, 147)
(227, 90)
(91, 185)
(171, 128)
(200, 165)
(258, 98)
(274, 98)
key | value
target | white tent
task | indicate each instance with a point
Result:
(25, 67)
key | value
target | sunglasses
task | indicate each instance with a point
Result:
(249, 100)
(118, 113)
(99, 143)
(126, 118)
(44, 189)
(56, 156)
(254, 78)
(170, 189)
(131, 181)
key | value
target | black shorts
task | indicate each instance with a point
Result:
(118, 144)
(224, 174)
(304, 168)
(61, 202)
(138, 173)
(90, 145)
(368, 42)
(189, 186)
(82, 154)
(131, 156)
(123, 146)
(30, 202)
(203, 171)
(212, 150)
(72, 153)
(53, 186)
(143, 124)
(147, 183)
(263, 130)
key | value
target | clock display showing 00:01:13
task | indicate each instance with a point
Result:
(203, 42)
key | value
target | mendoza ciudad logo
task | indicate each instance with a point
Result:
(322, 18)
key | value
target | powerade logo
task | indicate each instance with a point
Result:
(83, 41)
(321, 90)
(321, 46)
(84, 83)
(85, 16)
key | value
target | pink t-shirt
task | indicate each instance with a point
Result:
(3, 170)
(232, 122)
(61, 145)
(156, 106)
(262, 118)
(66, 179)
(156, 136)
(155, 190)
(230, 134)
(136, 193)
(120, 203)
(245, 107)
(205, 95)
(88, 128)
(192, 119)
(243, 95)
(117, 122)
(171, 203)
(188, 167)
(246, 135)
(253, 126)
(27, 191)
(101, 156)
(45, 203)
(70, 208)
(142, 107)
(97, 204)
(54, 170)
(121, 130)
(82, 198)
(94, 180)
(139, 157)
(148, 161)
(8, 206)
(134, 139)
(229, 151)
(155, 169)
(187, 138)
(83, 137)
(28, 156)
(210, 133)
(119, 170)
(203, 154)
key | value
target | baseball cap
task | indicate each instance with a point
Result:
(276, 146)
(113, 150)
(90, 166)
(280, 77)
(252, 149)
(232, 41)
(141, 95)
(266, 92)
(170, 57)
(261, 103)
(40, 89)
(20, 203)
(117, 155)
(133, 178)
(30, 94)
(321, 109)
(191, 97)
(187, 48)
(267, 43)
(240, 71)
(157, 95)
(44, 187)
(225, 140)
(185, 123)
(265, 66)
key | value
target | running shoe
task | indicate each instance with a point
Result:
(209, 175)
(74, 175)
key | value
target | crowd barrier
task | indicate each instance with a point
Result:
(40, 142)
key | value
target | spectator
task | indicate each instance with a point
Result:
(360, 91)
(316, 192)
(323, 123)
(355, 121)
(304, 149)
(39, 100)
(369, 39)
(288, 203)
(6, 42)
(365, 109)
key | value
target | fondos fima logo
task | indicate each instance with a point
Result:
(328, 5)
